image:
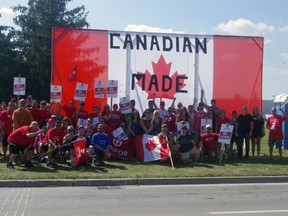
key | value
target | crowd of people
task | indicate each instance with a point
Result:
(48, 131)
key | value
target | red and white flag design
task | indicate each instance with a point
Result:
(171, 65)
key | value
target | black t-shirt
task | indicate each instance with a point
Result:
(185, 142)
(244, 123)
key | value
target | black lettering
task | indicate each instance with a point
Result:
(177, 44)
(187, 43)
(154, 41)
(138, 77)
(167, 43)
(153, 81)
(179, 83)
(128, 41)
(202, 46)
(141, 42)
(112, 35)
(166, 88)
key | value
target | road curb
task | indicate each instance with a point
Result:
(144, 181)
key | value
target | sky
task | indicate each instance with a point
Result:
(265, 18)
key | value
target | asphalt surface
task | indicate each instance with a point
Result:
(140, 181)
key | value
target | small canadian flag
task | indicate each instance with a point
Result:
(73, 75)
(154, 148)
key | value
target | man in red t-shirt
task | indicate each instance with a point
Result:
(21, 141)
(81, 115)
(6, 123)
(70, 111)
(274, 124)
(35, 112)
(51, 143)
(209, 142)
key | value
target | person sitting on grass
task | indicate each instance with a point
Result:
(209, 142)
(187, 146)
(21, 141)
(100, 145)
(51, 144)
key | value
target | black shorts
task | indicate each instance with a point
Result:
(5, 140)
(15, 149)
(45, 148)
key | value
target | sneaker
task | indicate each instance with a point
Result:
(43, 160)
(101, 163)
(10, 166)
(29, 164)
(50, 165)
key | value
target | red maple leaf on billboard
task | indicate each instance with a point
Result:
(160, 81)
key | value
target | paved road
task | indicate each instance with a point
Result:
(199, 200)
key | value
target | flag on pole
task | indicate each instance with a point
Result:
(151, 148)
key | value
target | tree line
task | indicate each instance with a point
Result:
(26, 50)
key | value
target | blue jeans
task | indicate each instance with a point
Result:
(241, 137)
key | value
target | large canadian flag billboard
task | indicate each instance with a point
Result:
(228, 68)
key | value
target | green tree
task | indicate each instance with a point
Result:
(10, 61)
(34, 39)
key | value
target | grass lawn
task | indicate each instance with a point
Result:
(131, 169)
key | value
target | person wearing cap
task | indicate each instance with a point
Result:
(81, 115)
(187, 146)
(100, 146)
(21, 142)
(51, 143)
(21, 116)
(169, 138)
(208, 142)
(45, 113)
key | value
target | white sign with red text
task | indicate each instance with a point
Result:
(19, 86)
(98, 89)
(80, 91)
(225, 133)
(112, 88)
(55, 93)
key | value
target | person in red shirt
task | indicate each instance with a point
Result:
(35, 112)
(106, 113)
(170, 120)
(209, 142)
(70, 111)
(51, 143)
(222, 119)
(45, 114)
(21, 141)
(274, 125)
(198, 116)
(81, 115)
(6, 124)
(115, 118)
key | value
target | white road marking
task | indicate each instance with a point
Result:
(248, 212)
